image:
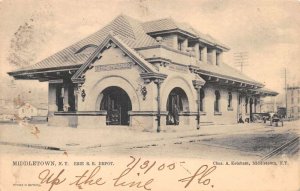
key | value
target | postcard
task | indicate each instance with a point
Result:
(149, 95)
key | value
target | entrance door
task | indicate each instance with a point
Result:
(117, 104)
(177, 101)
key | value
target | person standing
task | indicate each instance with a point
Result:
(176, 115)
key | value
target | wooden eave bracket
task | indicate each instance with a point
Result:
(148, 77)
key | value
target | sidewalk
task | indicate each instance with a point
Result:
(42, 136)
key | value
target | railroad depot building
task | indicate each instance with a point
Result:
(147, 75)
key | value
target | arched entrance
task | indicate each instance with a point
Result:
(117, 104)
(177, 102)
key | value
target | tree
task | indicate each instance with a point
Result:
(21, 53)
(29, 38)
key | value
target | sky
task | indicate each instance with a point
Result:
(268, 31)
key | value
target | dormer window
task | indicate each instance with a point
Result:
(202, 52)
(218, 58)
(180, 44)
(210, 56)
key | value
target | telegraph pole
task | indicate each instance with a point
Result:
(241, 59)
(285, 85)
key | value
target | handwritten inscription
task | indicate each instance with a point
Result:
(88, 179)
(202, 174)
(138, 174)
(109, 67)
(47, 177)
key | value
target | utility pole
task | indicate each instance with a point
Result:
(240, 59)
(285, 85)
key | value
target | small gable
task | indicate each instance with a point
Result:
(113, 54)
(113, 58)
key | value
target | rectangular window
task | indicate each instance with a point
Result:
(200, 53)
(180, 44)
(218, 58)
(210, 56)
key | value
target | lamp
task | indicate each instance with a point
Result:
(83, 94)
(144, 92)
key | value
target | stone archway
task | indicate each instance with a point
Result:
(93, 92)
(117, 103)
(185, 85)
(177, 102)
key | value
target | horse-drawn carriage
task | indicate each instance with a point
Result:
(276, 119)
(272, 118)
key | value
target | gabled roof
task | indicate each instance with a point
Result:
(169, 24)
(130, 29)
(131, 34)
(146, 66)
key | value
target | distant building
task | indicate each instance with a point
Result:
(268, 107)
(151, 75)
(293, 102)
(16, 94)
(271, 105)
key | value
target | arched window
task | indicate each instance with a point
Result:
(202, 95)
(217, 101)
(240, 99)
(255, 105)
(229, 100)
(246, 105)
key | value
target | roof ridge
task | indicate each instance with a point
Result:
(155, 20)
(125, 19)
